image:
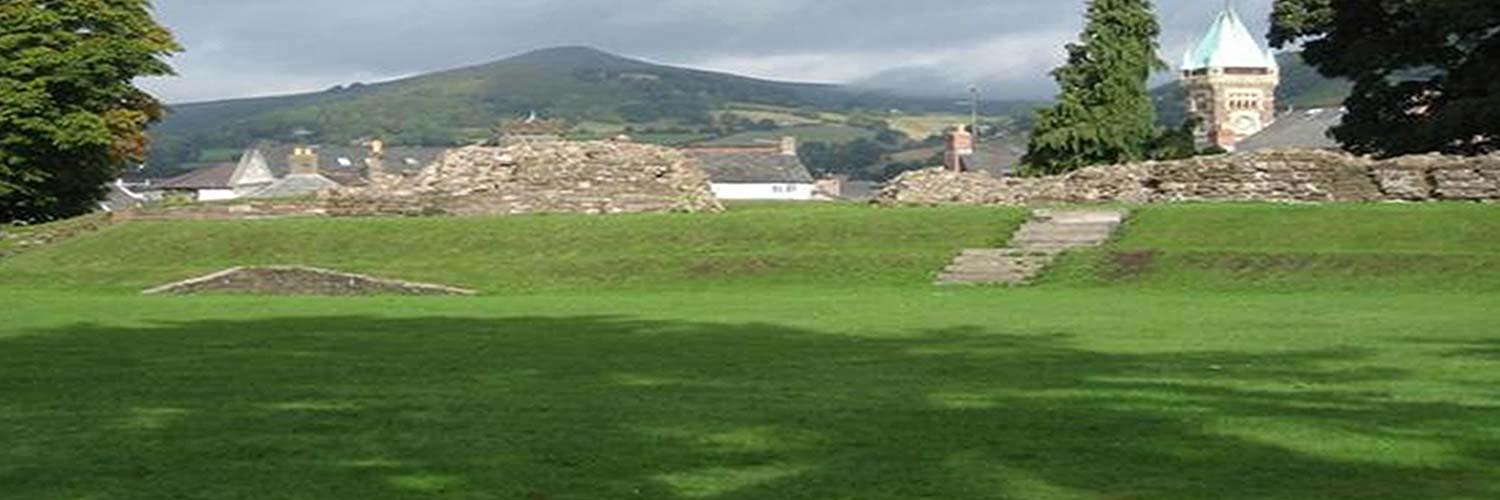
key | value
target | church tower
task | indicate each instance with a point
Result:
(1231, 83)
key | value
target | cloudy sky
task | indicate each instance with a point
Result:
(239, 48)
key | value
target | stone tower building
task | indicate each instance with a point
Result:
(1231, 83)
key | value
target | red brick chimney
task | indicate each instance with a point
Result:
(960, 149)
(789, 146)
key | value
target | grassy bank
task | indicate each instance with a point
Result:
(754, 244)
(835, 371)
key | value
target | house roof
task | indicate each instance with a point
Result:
(215, 177)
(1308, 129)
(751, 166)
(120, 197)
(294, 186)
(1228, 44)
(340, 162)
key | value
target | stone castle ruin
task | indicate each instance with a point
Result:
(527, 177)
(1312, 176)
(523, 177)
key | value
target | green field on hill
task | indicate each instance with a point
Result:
(771, 352)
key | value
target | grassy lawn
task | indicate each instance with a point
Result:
(811, 360)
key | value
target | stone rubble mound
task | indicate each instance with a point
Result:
(552, 177)
(1274, 176)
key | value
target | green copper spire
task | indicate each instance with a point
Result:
(1228, 44)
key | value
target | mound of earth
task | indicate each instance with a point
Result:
(594, 177)
(297, 280)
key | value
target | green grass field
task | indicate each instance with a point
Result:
(772, 352)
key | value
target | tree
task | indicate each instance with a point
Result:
(1426, 73)
(1104, 112)
(854, 159)
(70, 114)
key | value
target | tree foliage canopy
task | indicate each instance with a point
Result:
(1104, 112)
(70, 114)
(1426, 72)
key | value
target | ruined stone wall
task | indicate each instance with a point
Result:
(558, 177)
(571, 177)
(1276, 176)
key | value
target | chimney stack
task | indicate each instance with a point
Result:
(376, 162)
(789, 146)
(960, 149)
(304, 161)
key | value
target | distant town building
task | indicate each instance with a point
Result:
(533, 129)
(1300, 129)
(756, 172)
(122, 195)
(1231, 83)
(288, 171)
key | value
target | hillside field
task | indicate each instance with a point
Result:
(1220, 351)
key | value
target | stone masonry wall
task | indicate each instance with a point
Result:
(1277, 176)
(555, 177)
(574, 177)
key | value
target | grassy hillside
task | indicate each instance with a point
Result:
(774, 352)
(580, 84)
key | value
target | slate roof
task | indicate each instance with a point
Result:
(752, 166)
(294, 186)
(215, 177)
(335, 161)
(120, 197)
(1228, 44)
(1306, 129)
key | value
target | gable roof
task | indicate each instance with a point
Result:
(341, 162)
(294, 186)
(1308, 129)
(219, 176)
(1228, 44)
(751, 166)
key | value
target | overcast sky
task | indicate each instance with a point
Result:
(239, 48)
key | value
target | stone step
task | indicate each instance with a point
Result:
(1102, 226)
(982, 279)
(1062, 237)
(1048, 248)
(1014, 261)
(1009, 255)
(995, 265)
(972, 269)
(1079, 216)
(1065, 229)
(1033, 247)
(1006, 253)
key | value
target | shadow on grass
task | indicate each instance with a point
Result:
(605, 408)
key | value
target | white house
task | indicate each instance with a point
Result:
(757, 172)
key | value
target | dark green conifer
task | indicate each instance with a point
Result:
(1104, 112)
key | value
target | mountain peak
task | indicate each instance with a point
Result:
(576, 56)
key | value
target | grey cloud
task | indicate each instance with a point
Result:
(241, 48)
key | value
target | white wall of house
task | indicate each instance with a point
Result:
(788, 192)
(216, 194)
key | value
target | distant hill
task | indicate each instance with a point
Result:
(597, 90)
(1301, 88)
